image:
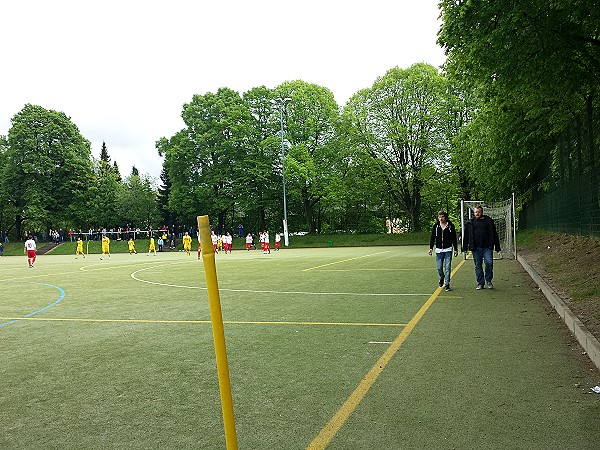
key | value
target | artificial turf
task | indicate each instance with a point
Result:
(126, 360)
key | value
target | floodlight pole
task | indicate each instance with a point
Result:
(281, 102)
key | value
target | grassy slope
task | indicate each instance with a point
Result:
(571, 265)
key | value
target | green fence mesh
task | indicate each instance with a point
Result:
(572, 207)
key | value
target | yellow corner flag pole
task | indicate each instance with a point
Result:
(216, 317)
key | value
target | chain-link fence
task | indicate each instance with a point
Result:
(572, 207)
(566, 194)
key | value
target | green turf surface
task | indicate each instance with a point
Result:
(128, 359)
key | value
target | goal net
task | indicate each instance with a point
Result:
(503, 214)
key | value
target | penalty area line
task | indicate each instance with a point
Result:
(345, 260)
(255, 291)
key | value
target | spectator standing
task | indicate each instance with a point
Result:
(443, 238)
(481, 238)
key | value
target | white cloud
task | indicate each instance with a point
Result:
(122, 70)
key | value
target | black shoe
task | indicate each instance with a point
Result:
(441, 282)
(447, 288)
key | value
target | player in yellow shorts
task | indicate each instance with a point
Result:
(79, 250)
(105, 246)
(131, 245)
(187, 243)
(152, 248)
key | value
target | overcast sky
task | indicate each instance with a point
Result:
(122, 70)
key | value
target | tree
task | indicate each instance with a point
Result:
(203, 159)
(137, 201)
(397, 123)
(6, 211)
(47, 171)
(259, 180)
(310, 119)
(536, 68)
(104, 194)
(164, 192)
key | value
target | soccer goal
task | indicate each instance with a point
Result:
(503, 214)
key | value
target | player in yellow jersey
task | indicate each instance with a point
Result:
(151, 248)
(105, 246)
(187, 243)
(79, 250)
(131, 245)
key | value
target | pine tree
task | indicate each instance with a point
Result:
(164, 191)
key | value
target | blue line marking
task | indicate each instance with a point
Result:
(62, 295)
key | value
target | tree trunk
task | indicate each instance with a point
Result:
(261, 219)
(221, 227)
(18, 225)
(308, 212)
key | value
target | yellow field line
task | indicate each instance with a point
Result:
(340, 417)
(229, 322)
(345, 260)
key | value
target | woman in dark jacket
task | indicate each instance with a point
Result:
(443, 236)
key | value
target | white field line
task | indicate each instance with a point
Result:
(346, 260)
(253, 291)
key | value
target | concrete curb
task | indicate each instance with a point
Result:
(589, 343)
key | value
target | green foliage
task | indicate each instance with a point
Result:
(533, 67)
(202, 160)
(164, 192)
(310, 119)
(47, 169)
(137, 202)
(398, 123)
(102, 203)
(259, 177)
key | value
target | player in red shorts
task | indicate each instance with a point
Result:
(30, 249)
(277, 241)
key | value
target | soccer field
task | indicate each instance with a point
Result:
(119, 353)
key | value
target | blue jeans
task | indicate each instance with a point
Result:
(443, 261)
(481, 256)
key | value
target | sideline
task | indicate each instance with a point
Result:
(228, 322)
(586, 339)
(341, 416)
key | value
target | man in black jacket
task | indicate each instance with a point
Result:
(443, 236)
(481, 238)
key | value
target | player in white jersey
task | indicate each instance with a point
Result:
(215, 239)
(277, 241)
(227, 242)
(266, 241)
(30, 249)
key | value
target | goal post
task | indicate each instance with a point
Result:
(503, 214)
